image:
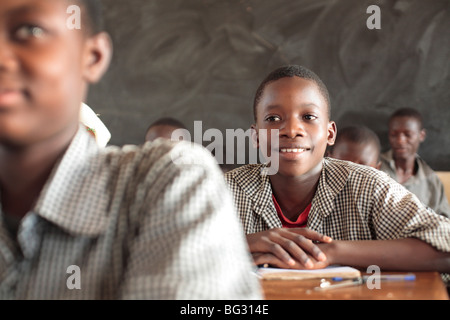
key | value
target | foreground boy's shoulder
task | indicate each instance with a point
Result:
(161, 155)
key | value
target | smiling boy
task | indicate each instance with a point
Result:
(350, 211)
(133, 223)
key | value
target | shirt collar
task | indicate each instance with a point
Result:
(332, 180)
(389, 156)
(256, 184)
(71, 176)
(420, 175)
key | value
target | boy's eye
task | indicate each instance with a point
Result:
(272, 118)
(29, 31)
(310, 117)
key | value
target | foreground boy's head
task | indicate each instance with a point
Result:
(294, 100)
(46, 67)
(406, 133)
(358, 144)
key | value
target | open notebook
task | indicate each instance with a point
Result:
(290, 274)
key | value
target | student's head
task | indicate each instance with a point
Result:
(163, 128)
(295, 101)
(46, 68)
(406, 133)
(358, 144)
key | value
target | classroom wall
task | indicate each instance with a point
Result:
(203, 60)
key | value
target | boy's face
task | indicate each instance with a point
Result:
(298, 110)
(405, 136)
(44, 70)
(366, 154)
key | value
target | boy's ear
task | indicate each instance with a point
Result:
(97, 57)
(332, 133)
(423, 135)
(254, 136)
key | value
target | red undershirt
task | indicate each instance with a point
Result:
(302, 219)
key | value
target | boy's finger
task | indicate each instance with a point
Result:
(278, 251)
(312, 235)
(290, 247)
(269, 259)
(294, 246)
(299, 247)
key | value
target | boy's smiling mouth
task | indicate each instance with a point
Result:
(292, 150)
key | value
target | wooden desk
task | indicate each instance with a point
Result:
(427, 286)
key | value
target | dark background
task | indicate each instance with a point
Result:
(203, 60)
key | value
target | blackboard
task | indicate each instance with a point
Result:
(203, 60)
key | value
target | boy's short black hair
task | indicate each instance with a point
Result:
(92, 13)
(358, 134)
(167, 122)
(290, 71)
(410, 113)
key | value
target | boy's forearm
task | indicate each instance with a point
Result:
(402, 255)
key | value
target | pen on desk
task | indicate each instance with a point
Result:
(337, 278)
(386, 277)
(326, 285)
(398, 277)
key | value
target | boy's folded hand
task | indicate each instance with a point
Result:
(288, 248)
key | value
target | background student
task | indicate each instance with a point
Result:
(132, 222)
(347, 209)
(357, 144)
(403, 164)
(163, 128)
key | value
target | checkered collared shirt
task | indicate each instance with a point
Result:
(352, 202)
(129, 223)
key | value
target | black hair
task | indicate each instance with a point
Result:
(92, 13)
(168, 122)
(290, 71)
(408, 112)
(358, 134)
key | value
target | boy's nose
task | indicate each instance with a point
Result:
(400, 139)
(292, 128)
(7, 60)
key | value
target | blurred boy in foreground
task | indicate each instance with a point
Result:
(82, 222)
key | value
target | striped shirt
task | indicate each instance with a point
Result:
(129, 223)
(352, 202)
